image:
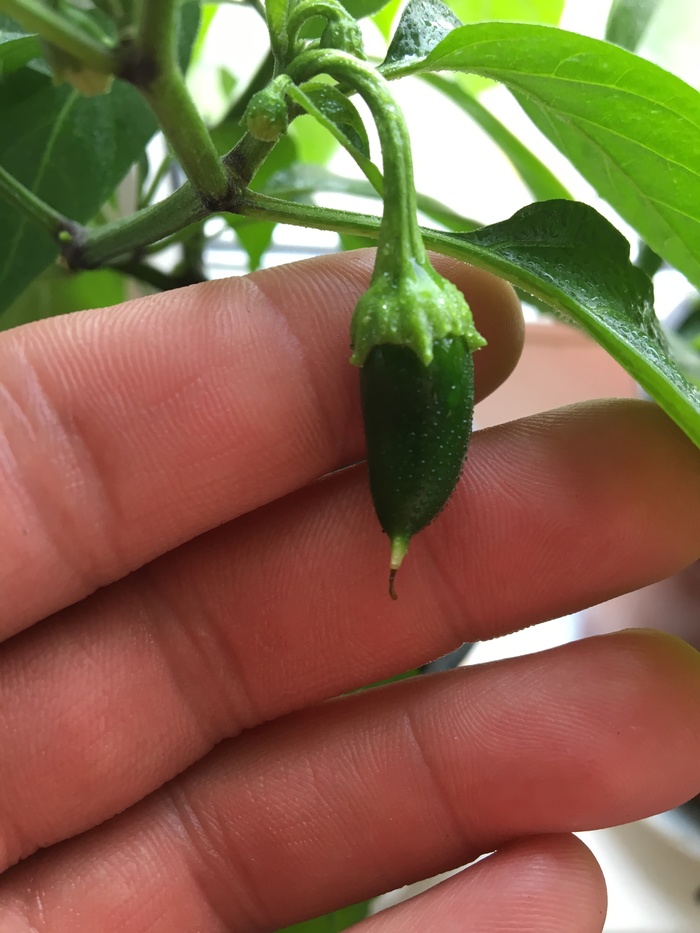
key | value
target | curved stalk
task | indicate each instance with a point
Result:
(400, 242)
(300, 14)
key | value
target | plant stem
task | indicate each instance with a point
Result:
(400, 243)
(259, 9)
(123, 237)
(151, 65)
(33, 207)
(246, 157)
(183, 207)
(320, 182)
(263, 207)
(51, 26)
(176, 239)
(308, 9)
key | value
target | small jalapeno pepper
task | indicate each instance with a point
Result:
(412, 336)
(414, 345)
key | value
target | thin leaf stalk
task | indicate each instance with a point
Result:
(19, 196)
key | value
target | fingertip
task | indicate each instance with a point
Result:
(542, 884)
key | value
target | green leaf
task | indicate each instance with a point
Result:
(343, 122)
(228, 82)
(207, 14)
(629, 127)
(341, 112)
(686, 352)
(384, 19)
(523, 11)
(566, 254)
(254, 236)
(543, 184)
(331, 923)
(57, 291)
(423, 25)
(314, 143)
(71, 151)
(628, 21)
(16, 50)
(188, 27)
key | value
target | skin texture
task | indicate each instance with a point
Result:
(188, 578)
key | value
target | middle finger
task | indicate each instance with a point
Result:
(106, 701)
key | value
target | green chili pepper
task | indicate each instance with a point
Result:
(412, 336)
(417, 425)
(413, 340)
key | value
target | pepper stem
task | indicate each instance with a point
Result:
(400, 244)
(399, 547)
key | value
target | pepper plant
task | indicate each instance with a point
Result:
(84, 86)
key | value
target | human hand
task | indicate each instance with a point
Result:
(181, 592)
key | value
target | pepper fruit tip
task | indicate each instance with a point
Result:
(392, 591)
(399, 547)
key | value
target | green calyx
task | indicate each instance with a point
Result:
(413, 309)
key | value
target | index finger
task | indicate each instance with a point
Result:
(128, 431)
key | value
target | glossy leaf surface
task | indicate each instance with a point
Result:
(631, 128)
(346, 133)
(565, 253)
(423, 25)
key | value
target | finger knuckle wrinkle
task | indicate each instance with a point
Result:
(55, 483)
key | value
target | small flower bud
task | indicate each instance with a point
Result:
(266, 115)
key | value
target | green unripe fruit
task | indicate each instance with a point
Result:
(417, 425)
(413, 337)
